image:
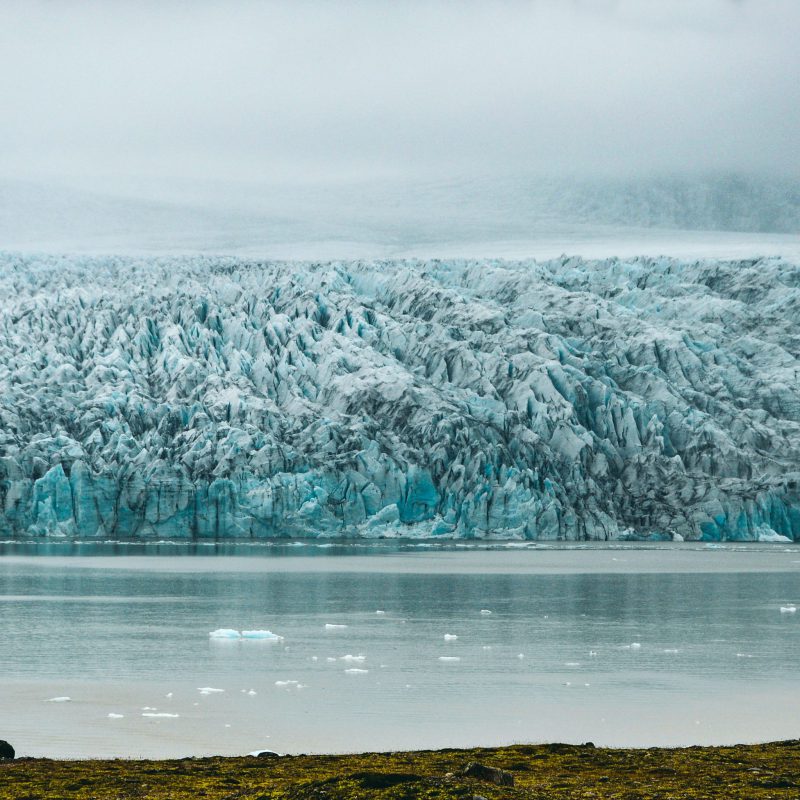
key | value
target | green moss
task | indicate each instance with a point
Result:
(541, 772)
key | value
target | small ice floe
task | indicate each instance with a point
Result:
(450, 637)
(486, 647)
(160, 714)
(58, 700)
(330, 660)
(289, 684)
(485, 612)
(112, 715)
(334, 627)
(262, 636)
(788, 609)
(572, 663)
(168, 694)
(671, 650)
(587, 685)
(744, 655)
(520, 655)
(449, 658)
(315, 658)
(224, 633)
(353, 659)
(252, 693)
(636, 646)
(209, 690)
(567, 683)
(380, 613)
(149, 708)
(592, 653)
(356, 671)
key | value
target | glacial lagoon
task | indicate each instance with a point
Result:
(105, 648)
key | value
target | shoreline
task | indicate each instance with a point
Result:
(768, 770)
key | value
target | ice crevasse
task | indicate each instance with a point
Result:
(205, 397)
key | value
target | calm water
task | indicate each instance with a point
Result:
(127, 634)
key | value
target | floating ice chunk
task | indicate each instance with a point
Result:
(224, 633)
(286, 684)
(334, 627)
(252, 693)
(744, 655)
(314, 658)
(671, 650)
(356, 671)
(381, 613)
(593, 653)
(58, 700)
(485, 612)
(769, 535)
(487, 647)
(168, 694)
(788, 609)
(353, 659)
(160, 714)
(149, 708)
(635, 646)
(449, 658)
(520, 655)
(330, 659)
(263, 635)
(450, 637)
(209, 690)
(112, 715)
(572, 663)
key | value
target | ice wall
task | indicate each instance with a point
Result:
(570, 399)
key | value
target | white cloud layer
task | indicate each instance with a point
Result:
(310, 90)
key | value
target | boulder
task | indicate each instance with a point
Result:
(489, 774)
(6, 751)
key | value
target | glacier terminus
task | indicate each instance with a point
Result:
(569, 399)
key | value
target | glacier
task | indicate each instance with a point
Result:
(569, 399)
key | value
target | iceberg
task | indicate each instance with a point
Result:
(207, 398)
(262, 636)
(224, 633)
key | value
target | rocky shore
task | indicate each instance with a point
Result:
(520, 771)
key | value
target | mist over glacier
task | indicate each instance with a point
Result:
(568, 399)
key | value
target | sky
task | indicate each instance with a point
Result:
(310, 91)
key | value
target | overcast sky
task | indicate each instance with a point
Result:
(308, 90)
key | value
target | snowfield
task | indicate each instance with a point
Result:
(566, 399)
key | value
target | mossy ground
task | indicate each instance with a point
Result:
(542, 772)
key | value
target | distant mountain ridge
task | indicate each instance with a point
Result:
(383, 218)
